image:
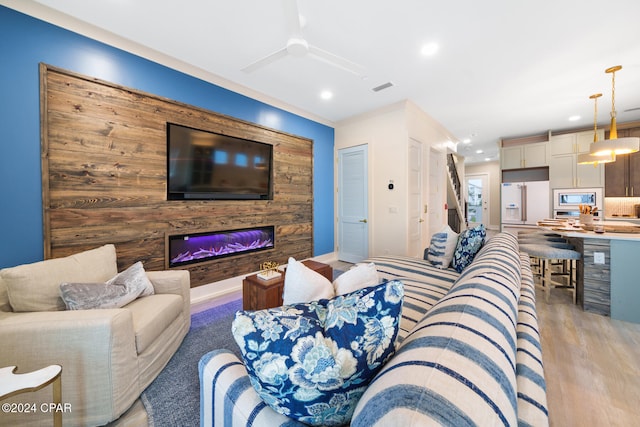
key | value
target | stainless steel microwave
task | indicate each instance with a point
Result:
(571, 198)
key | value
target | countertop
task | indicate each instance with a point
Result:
(633, 219)
(581, 233)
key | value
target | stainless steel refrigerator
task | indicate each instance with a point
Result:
(524, 203)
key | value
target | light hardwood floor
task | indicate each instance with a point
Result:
(592, 365)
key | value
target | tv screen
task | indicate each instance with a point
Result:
(204, 165)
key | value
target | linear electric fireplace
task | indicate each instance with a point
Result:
(198, 247)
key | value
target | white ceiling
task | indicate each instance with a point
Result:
(504, 68)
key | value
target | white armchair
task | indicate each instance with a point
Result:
(108, 356)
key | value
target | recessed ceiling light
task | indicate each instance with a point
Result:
(574, 118)
(466, 141)
(429, 49)
(479, 151)
(487, 159)
(326, 94)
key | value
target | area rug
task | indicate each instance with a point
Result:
(173, 398)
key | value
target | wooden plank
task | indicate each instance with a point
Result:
(510, 142)
(104, 178)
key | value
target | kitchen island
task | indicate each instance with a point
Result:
(608, 275)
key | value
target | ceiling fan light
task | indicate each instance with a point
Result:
(297, 46)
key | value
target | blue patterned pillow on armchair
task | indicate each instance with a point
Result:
(312, 362)
(470, 242)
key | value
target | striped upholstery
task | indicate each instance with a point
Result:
(532, 393)
(473, 359)
(458, 365)
(424, 285)
(228, 399)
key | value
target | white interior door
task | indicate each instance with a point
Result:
(437, 196)
(477, 199)
(353, 224)
(416, 219)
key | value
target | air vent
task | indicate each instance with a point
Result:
(382, 87)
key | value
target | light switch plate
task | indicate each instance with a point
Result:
(598, 257)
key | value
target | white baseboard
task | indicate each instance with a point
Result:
(326, 258)
(216, 290)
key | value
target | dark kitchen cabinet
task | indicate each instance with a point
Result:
(622, 177)
(634, 175)
(615, 177)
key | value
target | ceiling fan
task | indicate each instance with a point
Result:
(297, 46)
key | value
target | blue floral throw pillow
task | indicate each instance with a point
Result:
(312, 362)
(470, 242)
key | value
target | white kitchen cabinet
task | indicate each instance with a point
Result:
(562, 144)
(589, 175)
(573, 143)
(564, 170)
(524, 156)
(584, 140)
(511, 157)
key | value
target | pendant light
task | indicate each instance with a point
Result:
(591, 159)
(614, 145)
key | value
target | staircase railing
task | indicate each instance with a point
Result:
(453, 172)
(457, 219)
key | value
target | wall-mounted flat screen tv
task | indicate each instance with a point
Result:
(204, 165)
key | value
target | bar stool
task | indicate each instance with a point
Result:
(547, 254)
(535, 237)
(541, 237)
(527, 233)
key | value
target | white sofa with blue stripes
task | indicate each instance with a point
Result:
(468, 352)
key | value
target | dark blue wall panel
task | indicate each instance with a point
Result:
(25, 42)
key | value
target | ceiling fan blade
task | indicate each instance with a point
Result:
(337, 61)
(265, 61)
(292, 18)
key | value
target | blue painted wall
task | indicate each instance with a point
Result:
(25, 42)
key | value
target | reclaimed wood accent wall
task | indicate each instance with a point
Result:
(104, 166)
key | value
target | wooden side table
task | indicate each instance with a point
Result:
(12, 384)
(258, 294)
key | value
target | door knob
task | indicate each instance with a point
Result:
(363, 220)
(421, 220)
